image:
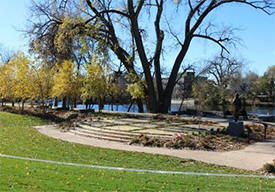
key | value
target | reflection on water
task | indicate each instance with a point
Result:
(121, 108)
(263, 111)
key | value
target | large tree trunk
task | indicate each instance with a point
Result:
(165, 103)
(162, 104)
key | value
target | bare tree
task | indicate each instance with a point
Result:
(122, 27)
(250, 86)
(223, 70)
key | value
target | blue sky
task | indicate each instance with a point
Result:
(257, 33)
(13, 15)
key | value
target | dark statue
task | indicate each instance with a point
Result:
(237, 107)
(243, 109)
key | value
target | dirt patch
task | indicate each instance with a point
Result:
(208, 142)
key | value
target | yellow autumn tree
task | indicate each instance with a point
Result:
(42, 78)
(21, 80)
(7, 78)
(136, 87)
(96, 83)
(67, 81)
(22, 83)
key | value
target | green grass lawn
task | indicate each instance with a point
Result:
(34, 176)
(17, 137)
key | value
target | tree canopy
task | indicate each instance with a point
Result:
(136, 32)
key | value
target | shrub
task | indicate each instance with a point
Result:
(189, 142)
(205, 145)
(269, 168)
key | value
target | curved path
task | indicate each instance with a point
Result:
(251, 158)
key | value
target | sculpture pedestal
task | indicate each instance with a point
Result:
(235, 129)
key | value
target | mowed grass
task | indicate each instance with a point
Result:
(16, 175)
(18, 137)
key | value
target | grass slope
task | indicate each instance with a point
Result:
(34, 176)
(17, 137)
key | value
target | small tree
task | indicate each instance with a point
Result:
(206, 92)
(249, 86)
(7, 82)
(135, 87)
(222, 70)
(22, 77)
(96, 83)
(66, 82)
(42, 78)
(267, 83)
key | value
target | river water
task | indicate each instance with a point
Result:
(174, 107)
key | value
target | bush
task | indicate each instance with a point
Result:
(206, 143)
(269, 168)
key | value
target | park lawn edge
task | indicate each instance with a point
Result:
(147, 160)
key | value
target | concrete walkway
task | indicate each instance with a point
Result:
(252, 157)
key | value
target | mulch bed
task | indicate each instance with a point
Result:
(213, 141)
(258, 131)
(50, 114)
(210, 142)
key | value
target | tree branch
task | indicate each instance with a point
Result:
(217, 41)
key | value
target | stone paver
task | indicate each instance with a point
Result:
(251, 158)
(155, 131)
(98, 123)
(164, 123)
(115, 121)
(206, 127)
(121, 128)
(179, 129)
(136, 120)
(144, 125)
